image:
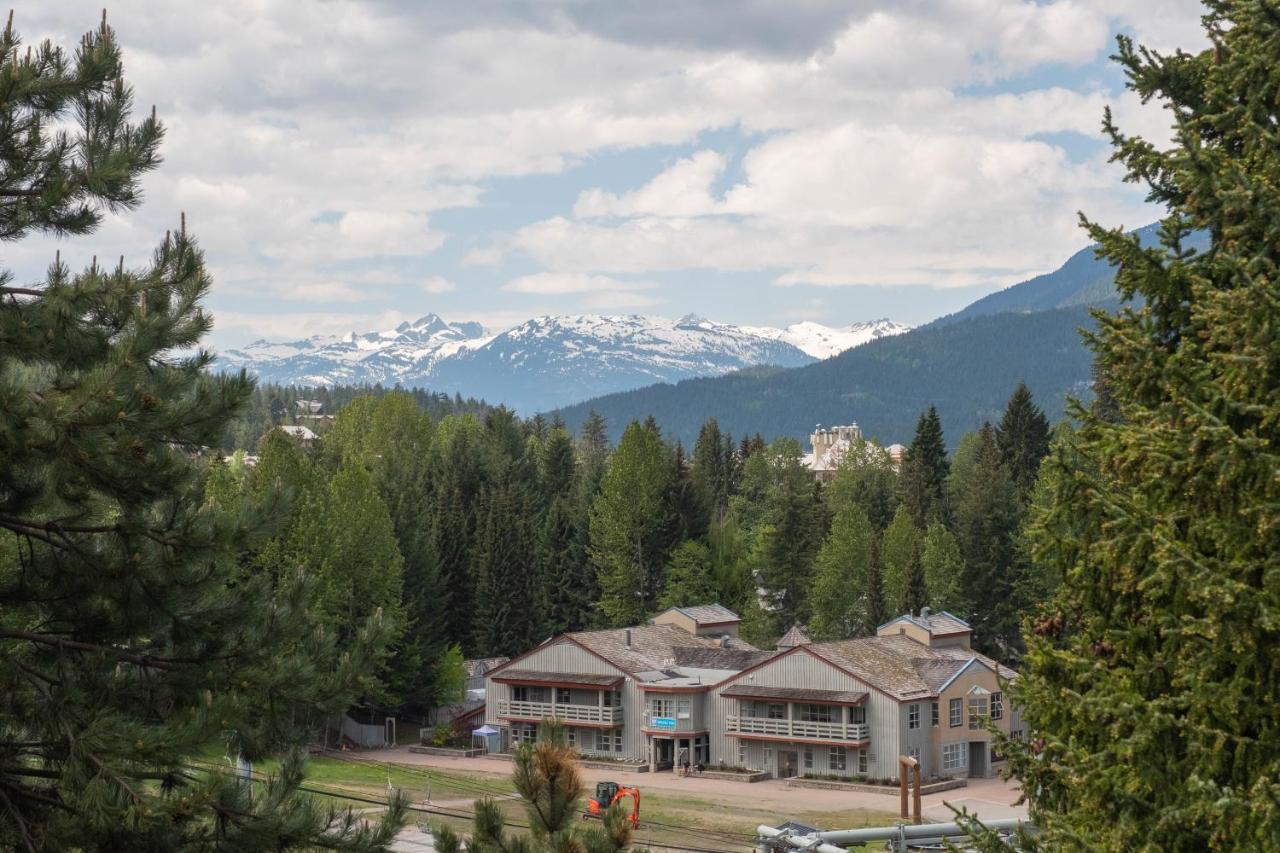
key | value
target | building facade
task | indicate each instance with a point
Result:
(686, 688)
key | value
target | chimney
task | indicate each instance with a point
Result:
(628, 638)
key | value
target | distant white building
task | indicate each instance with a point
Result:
(303, 434)
(829, 445)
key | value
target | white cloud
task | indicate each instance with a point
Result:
(559, 284)
(438, 284)
(308, 145)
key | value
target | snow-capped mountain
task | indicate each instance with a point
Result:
(546, 362)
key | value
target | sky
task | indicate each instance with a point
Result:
(351, 165)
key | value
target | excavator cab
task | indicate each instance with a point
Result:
(605, 792)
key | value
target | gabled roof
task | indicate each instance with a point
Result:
(479, 666)
(902, 667)
(652, 648)
(941, 624)
(719, 658)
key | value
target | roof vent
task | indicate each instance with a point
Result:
(724, 641)
(924, 612)
(628, 638)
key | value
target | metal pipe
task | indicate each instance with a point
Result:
(833, 842)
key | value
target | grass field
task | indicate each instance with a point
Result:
(667, 818)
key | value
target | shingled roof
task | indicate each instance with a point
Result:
(720, 658)
(901, 666)
(652, 647)
(940, 624)
(710, 614)
(794, 637)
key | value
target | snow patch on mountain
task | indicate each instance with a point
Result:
(545, 362)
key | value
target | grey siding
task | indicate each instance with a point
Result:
(801, 669)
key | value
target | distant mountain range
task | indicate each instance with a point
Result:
(967, 364)
(546, 362)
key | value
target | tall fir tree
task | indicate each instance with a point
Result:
(1023, 438)
(841, 577)
(791, 534)
(713, 465)
(131, 636)
(924, 471)
(1163, 521)
(629, 523)
(509, 609)
(690, 577)
(567, 574)
(876, 614)
(986, 514)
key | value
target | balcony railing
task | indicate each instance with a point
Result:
(797, 729)
(600, 715)
(682, 724)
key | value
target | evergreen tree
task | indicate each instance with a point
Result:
(986, 513)
(1023, 438)
(924, 471)
(690, 577)
(898, 551)
(628, 521)
(730, 564)
(713, 465)
(943, 570)
(841, 578)
(688, 502)
(131, 637)
(1163, 524)
(791, 535)
(567, 575)
(917, 586)
(509, 609)
(875, 615)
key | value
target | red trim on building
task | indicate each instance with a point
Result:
(674, 734)
(693, 688)
(576, 685)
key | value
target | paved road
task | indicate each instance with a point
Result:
(987, 798)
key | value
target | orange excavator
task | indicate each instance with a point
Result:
(608, 793)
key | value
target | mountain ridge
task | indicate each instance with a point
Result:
(547, 361)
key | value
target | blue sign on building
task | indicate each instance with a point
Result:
(663, 722)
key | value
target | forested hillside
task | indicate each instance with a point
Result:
(965, 369)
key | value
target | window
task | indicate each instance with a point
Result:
(913, 716)
(660, 706)
(956, 710)
(839, 758)
(683, 708)
(524, 733)
(933, 715)
(816, 713)
(608, 740)
(611, 698)
(955, 756)
(858, 714)
(977, 710)
(519, 694)
(862, 762)
(808, 758)
(776, 711)
(563, 696)
(997, 706)
(571, 735)
(768, 755)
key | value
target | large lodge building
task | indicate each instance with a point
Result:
(687, 685)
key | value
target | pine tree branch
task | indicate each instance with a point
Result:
(75, 645)
(18, 821)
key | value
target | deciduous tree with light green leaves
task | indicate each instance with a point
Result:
(840, 578)
(1151, 685)
(898, 557)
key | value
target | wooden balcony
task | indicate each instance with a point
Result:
(599, 716)
(762, 728)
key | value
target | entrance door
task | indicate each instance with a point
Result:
(977, 759)
(664, 755)
(788, 763)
